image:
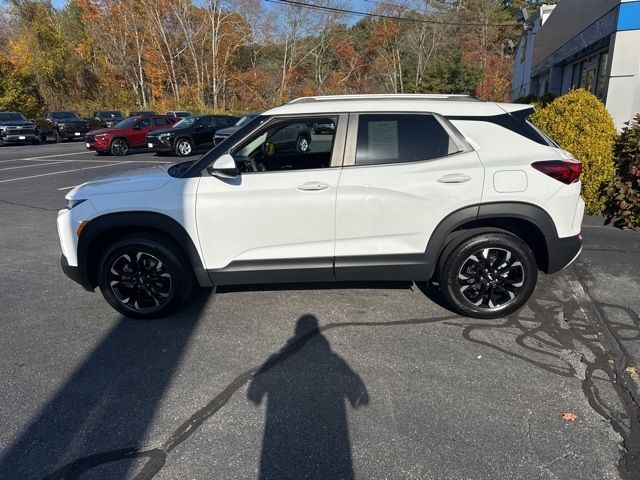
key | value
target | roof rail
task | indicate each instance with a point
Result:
(384, 96)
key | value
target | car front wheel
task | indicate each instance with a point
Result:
(119, 147)
(488, 275)
(183, 147)
(144, 277)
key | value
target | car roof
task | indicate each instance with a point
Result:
(448, 105)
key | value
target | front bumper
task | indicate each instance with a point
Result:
(157, 145)
(562, 252)
(26, 138)
(72, 131)
(75, 273)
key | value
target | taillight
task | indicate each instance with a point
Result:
(565, 171)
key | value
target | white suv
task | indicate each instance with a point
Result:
(400, 187)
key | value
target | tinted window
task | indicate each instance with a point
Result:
(161, 122)
(144, 123)
(389, 138)
(64, 116)
(205, 122)
(12, 117)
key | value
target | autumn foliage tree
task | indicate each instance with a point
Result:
(245, 54)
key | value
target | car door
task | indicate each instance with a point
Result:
(276, 223)
(137, 137)
(203, 131)
(403, 174)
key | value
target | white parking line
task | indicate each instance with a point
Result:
(30, 166)
(44, 156)
(64, 171)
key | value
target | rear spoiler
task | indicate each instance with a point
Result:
(518, 110)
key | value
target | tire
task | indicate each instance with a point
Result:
(43, 138)
(101, 152)
(302, 143)
(119, 147)
(144, 276)
(183, 147)
(488, 275)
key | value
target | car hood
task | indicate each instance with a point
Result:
(112, 131)
(227, 130)
(137, 180)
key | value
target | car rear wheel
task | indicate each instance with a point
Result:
(488, 275)
(119, 147)
(144, 277)
(183, 147)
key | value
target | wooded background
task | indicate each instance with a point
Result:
(239, 55)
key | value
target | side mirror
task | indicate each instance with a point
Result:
(224, 167)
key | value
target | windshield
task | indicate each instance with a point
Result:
(12, 117)
(64, 116)
(111, 115)
(245, 119)
(129, 122)
(185, 122)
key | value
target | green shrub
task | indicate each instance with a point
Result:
(581, 124)
(622, 204)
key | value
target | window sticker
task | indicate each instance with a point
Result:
(383, 140)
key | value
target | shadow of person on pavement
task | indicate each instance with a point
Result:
(306, 433)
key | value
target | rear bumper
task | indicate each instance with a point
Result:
(75, 273)
(562, 252)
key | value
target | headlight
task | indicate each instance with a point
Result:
(164, 136)
(74, 203)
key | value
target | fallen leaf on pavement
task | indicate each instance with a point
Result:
(569, 416)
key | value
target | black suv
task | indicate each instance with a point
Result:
(189, 134)
(106, 118)
(14, 128)
(63, 125)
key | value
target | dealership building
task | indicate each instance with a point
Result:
(591, 44)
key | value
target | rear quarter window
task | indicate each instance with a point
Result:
(401, 138)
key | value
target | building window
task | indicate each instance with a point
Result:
(591, 74)
(601, 84)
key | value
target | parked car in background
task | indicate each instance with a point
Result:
(141, 113)
(323, 128)
(223, 133)
(178, 114)
(106, 118)
(129, 133)
(188, 135)
(15, 128)
(63, 125)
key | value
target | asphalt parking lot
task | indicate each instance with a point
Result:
(367, 381)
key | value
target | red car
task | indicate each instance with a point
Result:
(129, 133)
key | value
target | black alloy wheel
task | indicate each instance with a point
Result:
(144, 277)
(488, 275)
(119, 147)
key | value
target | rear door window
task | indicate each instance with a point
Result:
(401, 138)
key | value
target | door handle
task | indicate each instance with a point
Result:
(454, 178)
(313, 186)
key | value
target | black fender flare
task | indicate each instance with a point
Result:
(474, 216)
(132, 221)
